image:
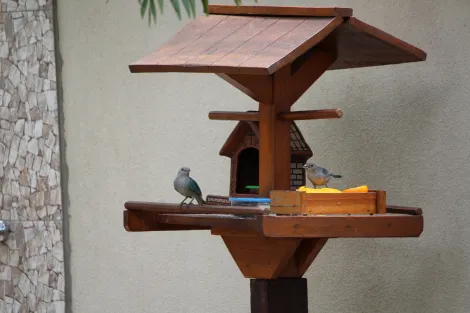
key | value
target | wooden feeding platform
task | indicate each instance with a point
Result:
(273, 55)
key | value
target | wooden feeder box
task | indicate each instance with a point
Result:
(294, 202)
(273, 55)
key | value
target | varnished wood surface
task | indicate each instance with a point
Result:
(211, 220)
(306, 253)
(279, 10)
(234, 44)
(313, 226)
(158, 207)
(286, 116)
(311, 114)
(261, 257)
(139, 221)
(316, 63)
(331, 226)
(259, 88)
(233, 116)
(363, 45)
(261, 45)
(395, 209)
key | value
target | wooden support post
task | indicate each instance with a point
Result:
(274, 163)
(284, 295)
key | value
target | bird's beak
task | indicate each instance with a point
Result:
(305, 166)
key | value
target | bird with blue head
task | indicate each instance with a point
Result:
(187, 187)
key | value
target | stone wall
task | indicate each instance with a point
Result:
(31, 257)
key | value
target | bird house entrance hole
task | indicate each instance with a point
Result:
(247, 171)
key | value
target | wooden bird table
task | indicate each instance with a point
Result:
(273, 55)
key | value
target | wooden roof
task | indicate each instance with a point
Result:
(260, 40)
(298, 145)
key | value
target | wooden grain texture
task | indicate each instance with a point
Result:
(274, 137)
(316, 64)
(200, 50)
(267, 114)
(260, 45)
(362, 45)
(234, 116)
(303, 257)
(293, 43)
(340, 203)
(259, 88)
(282, 85)
(259, 257)
(231, 145)
(264, 43)
(381, 201)
(158, 207)
(333, 226)
(219, 231)
(252, 28)
(311, 114)
(135, 221)
(257, 45)
(210, 220)
(395, 209)
(287, 295)
(286, 202)
(279, 10)
(191, 32)
(294, 202)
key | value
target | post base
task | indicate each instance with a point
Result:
(284, 295)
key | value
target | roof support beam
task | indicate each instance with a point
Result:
(315, 65)
(258, 87)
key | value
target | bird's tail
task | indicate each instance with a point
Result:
(200, 201)
(336, 176)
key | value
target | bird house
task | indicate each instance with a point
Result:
(273, 55)
(242, 147)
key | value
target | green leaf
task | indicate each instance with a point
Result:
(153, 11)
(205, 4)
(193, 7)
(186, 5)
(143, 7)
(160, 5)
(176, 7)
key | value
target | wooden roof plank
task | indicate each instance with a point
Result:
(233, 41)
(259, 42)
(260, 45)
(205, 42)
(279, 10)
(362, 45)
(192, 31)
(294, 43)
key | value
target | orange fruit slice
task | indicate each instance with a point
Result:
(363, 188)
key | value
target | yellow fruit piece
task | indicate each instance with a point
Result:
(319, 190)
(363, 188)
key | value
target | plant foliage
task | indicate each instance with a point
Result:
(149, 7)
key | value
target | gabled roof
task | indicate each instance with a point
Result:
(260, 40)
(298, 146)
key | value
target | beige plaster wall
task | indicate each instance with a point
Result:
(405, 129)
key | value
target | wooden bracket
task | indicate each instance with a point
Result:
(258, 87)
(260, 257)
